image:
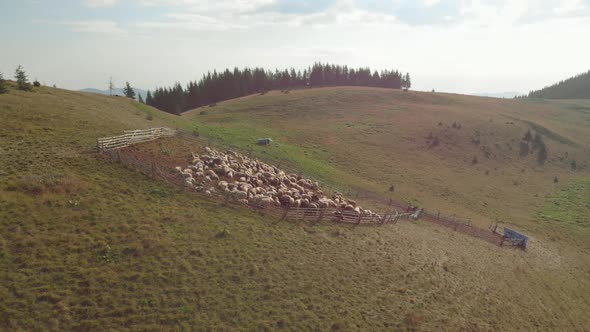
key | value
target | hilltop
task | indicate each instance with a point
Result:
(116, 91)
(576, 87)
(87, 244)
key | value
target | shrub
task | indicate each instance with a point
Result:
(223, 233)
(435, 142)
(555, 179)
(538, 142)
(36, 83)
(149, 116)
(527, 137)
(475, 138)
(474, 160)
(574, 165)
(3, 88)
(542, 155)
(524, 149)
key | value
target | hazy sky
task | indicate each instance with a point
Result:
(456, 46)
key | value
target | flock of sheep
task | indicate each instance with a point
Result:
(251, 181)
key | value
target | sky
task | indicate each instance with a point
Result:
(453, 46)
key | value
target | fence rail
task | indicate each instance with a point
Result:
(343, 216)
(132, 137)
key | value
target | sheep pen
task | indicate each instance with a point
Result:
(253, 182)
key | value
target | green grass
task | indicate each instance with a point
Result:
(88, 245)
(566, 212)
(570, 205)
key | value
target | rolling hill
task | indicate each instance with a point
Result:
(117, 91)
(87, 244)
(577, 87)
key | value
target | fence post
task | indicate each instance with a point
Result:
(321, 215)
(285, 213)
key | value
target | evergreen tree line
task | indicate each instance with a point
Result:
(577, 87)
(218, 86)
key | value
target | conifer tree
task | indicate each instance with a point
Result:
(148, 98)
(128, 91)
(140, 98)
(21, 79)
(3, 88)
(111, 86)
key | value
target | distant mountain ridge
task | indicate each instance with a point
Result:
(506, 94)
(577, 87)
(116, 91)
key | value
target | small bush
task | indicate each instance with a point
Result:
(149, 116)
(524, 149)
(542, 155)
(555, 179)
(36, 83)
(475, 138)
(223, 233)
(435, 142)
(3, 88)
(213, 105)
(574, 165)
(474, 160)
(527, 137)
(165, 150)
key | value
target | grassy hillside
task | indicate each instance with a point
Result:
(86, 244)
(367, 139)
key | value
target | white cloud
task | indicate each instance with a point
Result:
(102, 27)
(100, 3)
(430, 3)
(190, 22)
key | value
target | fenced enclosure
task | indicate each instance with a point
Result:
(113, 145)
(132, 137)
(343, 216)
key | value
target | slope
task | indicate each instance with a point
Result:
(86, 244)
(458, 154)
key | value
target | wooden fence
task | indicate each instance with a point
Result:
(342, 216)
(131, 137)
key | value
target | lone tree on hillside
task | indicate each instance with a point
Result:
(148, 98)
(3, 88)
(406, 82)
(128, 91)
(140, 98)
(21, 79)
(111, 86)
